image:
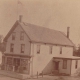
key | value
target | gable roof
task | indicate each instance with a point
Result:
(42, 34)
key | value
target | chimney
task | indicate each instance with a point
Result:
(20, 18)
(68, 32)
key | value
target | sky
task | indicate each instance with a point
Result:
(53, 14)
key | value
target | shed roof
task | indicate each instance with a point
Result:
(67, 57)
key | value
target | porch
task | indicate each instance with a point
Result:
(16, 63)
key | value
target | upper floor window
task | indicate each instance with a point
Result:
(11, 47)
(76, 64)
(38, 49)
(13, 35)
(60, 50)
(22, 35)
(22, 48)
(64, 64)
(51, 49)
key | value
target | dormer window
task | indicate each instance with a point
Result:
(13, 35)
(50, 49)
(22, 35)
(38, 49)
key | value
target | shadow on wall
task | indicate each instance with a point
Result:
(49, 67)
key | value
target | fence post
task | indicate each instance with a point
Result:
(37, 74)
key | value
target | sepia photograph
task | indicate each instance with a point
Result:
(39, 39)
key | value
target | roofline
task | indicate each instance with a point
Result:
(10, 31)
(13, 27)
(52, 44)
(67, 38)
(66, 58)
(7, 54)
(24, 31)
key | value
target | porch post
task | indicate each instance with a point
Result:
(13, 64)
(5, 62)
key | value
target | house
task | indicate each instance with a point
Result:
(31, 49)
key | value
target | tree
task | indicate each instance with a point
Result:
(2, 44)
(77, 51)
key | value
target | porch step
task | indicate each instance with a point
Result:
(14, 74)
(55, 72)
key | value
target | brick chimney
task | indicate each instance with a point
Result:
(20, 18)
(68, 32)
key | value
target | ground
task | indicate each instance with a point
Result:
(40, 78)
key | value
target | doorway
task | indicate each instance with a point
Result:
(56, 65)
(16, 63)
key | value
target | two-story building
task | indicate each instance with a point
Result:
(31, 49)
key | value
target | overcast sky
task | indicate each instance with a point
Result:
(54, 14)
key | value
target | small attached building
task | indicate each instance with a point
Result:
(31, 49)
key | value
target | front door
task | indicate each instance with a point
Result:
(56, 65)
(16, 63)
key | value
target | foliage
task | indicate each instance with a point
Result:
(2, 44)
(77, 51)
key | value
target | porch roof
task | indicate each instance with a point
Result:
(18, 55)
(67, 57)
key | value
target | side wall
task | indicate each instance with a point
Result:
(17, 42)
(44, 60)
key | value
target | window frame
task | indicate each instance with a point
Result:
(61, 50)
(65, 62)
(13, 35)
(22, 45)
(38, 49)
(11, 47)
(51, 48)
(22, 35)
(9, 61)
(76, 64)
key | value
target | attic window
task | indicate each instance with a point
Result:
(22, 48)
(22, 35)
(38, 49)
(13, 35)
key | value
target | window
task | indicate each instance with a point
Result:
(16, 61)
(3, 60)
(76, 64)
(64, 64)
(9, 60)
(22, 48)
(22, 35)
(11, 47)
(50, 49)
(60, 50)
(13, 35)
(38, 49)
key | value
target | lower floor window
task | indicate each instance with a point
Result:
(64, 64)
(9, 60)
(76, 64)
